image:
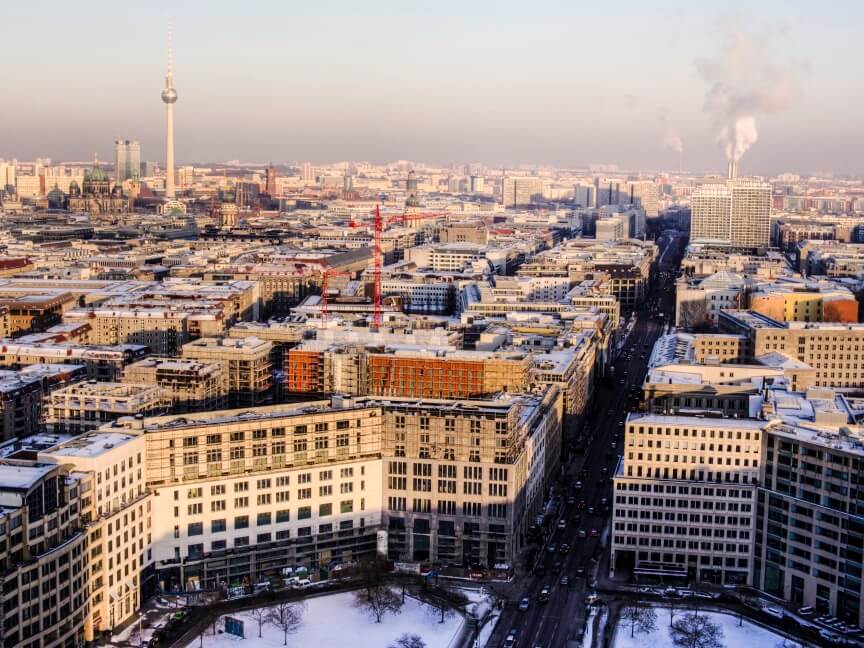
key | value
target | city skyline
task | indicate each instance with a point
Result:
(337, 88)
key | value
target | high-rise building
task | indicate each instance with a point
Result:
(308, 172)
(7, 174)
(270, 185)
(169, 96)
(477, 184)
(736, 214)
(127, 159)
(643, 193)
(521, 191)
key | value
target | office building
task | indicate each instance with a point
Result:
(685, 498)
(736, 214)
(127, 160)
(85, 406)
(519, 191)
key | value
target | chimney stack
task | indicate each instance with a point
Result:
(733, 169)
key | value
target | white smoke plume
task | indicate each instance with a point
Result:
(745, 82)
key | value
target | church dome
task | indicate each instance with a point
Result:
(96, 174)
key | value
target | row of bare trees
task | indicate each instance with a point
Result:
(688, 630)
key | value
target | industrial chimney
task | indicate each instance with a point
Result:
(733, 169)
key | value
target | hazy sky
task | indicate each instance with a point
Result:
(565, 83)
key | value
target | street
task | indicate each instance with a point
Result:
(585, 520)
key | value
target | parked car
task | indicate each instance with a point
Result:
(301, 583)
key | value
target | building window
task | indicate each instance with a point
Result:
(241, 522)
(325, 509)
(195, 529)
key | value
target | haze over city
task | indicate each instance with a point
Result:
(448, 82)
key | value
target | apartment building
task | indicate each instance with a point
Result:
(104, 363)
(116, 514)
(685, 498)
(245, 362)
(187, 385)
(88, 405)
(735, 214)
(810, 518)
(27, 313)
(44, 555)
(835, 351)
(163, 331)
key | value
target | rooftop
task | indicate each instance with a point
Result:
(90, 445)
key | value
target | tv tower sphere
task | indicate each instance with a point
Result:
(169, 95)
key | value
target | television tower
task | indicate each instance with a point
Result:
(169, 96)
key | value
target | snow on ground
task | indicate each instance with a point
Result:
(333, 620)
(747, 635)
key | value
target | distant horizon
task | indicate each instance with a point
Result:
(773, 83)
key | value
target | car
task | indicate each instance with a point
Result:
(671, 592)
(556, 567)
(592, 599)
(580, 572)
(594, 533)
(704, 595)
(562, 523)
(565, 548)
(524, 604)
(645, 590)
(581, 533)
(552, 548)
(775, 612)
(685, 593)
(543, 596)
(564, 580)
(581, 505)
(578, 485)
(590, 510)
(806, 611)
(301, 583)
(510, 639)
(571, 500)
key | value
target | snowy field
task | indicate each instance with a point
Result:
(334, 621)
(746, 636)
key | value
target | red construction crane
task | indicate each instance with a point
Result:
(377, 263)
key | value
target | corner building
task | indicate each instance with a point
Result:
(685, 499)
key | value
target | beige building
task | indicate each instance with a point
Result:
(835, 351)
(245, 362)
(685, 498)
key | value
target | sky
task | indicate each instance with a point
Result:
(503, 83)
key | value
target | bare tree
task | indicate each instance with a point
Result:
(375, 595)
(642, 618)
(287, 617)
(408, 641)
(259, 616)
(693, 315)
(693, 630)
(443, 600)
